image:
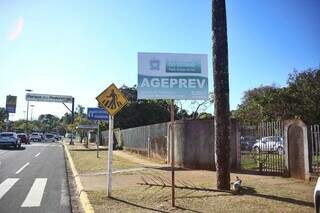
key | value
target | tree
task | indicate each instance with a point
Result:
(141, 112)
(80, 119)
(3, 116)
(196, 108)
(49, 123)
(304, 92)
(264, 103)
(221, 93)
(300, 99)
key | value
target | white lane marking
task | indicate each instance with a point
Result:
(37, 155)
(35, 194)
(64, 198)
(6, 185)
(24, 166)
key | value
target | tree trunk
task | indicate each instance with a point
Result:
(221, 93)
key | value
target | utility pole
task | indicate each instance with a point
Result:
(26, 130)
(72, 121)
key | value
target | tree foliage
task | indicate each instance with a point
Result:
(141, 112)
(299, 99)
(3, 116)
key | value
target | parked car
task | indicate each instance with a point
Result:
(23, 138)
(57, 136)
(36, 137)
(10, 139)
(246, 142)
(50, 138)
(69, 136)
(271, 144)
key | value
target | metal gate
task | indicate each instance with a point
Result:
(314, 148)
(262, 148)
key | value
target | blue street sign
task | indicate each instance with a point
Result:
(11, 110)
(97, 114)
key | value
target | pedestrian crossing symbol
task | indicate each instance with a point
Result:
(112, 99)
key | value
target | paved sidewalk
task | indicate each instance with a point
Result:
(134, 158)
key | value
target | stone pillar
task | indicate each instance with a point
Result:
(296, 149)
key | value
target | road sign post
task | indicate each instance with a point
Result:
(98, 141)
(113, 101)
(172, 154)
(110, 148)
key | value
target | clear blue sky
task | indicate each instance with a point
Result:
(80, 47)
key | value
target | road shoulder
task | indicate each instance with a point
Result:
(78, 196)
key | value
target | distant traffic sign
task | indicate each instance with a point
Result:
(11, 104)
(112, 99)
(49, 98)
(88, 127)
(97, 114)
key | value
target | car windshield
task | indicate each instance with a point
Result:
(49, 136)
(35, 134)
(7, 135)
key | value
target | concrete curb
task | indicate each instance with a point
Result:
(86, 205)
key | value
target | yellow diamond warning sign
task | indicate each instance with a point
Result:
(112, 99)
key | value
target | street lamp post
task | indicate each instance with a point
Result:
(27, 90)
(31, 111)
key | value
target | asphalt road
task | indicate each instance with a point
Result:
(33, 179)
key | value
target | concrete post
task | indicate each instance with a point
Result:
(288, 144)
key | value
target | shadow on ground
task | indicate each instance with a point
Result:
(160, 181)
(12, 148)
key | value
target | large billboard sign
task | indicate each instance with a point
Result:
(49, 98)
(172, 76)
(11, 103)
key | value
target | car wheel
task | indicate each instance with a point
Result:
(280, 150)
(256, 150)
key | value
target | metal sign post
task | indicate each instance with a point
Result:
(72, 121)
(98, 141)
(113, 100)
(110, 148)
(172, 154)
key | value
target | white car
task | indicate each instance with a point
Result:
(35, 137)
(269, 144)
(50, 138)
(10, 139)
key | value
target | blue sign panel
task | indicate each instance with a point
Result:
(97, 114)
(11, 110)
(11, 104)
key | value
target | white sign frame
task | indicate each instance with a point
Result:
(172, 76)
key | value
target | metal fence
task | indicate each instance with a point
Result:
(137, 138)
(315, 148)
(262, 147)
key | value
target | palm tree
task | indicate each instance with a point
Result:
(221, 93)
